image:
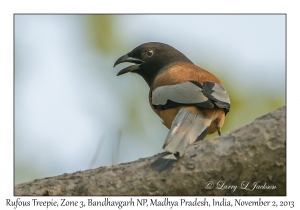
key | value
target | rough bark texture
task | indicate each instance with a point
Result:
(253, 153)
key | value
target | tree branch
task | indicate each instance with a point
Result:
(253, 153)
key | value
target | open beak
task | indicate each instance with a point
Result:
(126, 58)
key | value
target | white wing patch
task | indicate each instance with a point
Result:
(187, 93)
(190, 93)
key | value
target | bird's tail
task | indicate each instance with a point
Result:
(186, 128)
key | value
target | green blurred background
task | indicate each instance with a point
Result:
(73, 113)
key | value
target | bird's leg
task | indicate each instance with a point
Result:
(219, 131)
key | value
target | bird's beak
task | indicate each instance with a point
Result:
(126, 58)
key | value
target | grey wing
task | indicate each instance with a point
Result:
(217, 93)
(191, 93)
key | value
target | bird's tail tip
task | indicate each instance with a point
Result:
(163, 163)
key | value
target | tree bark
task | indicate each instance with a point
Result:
(250, 160)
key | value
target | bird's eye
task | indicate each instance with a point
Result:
(149, 53)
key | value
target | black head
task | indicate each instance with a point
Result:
(150, 59)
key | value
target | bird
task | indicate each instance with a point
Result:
(190, 101)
